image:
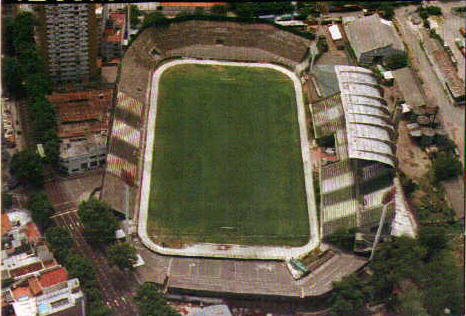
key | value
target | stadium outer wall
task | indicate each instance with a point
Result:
(233, 251)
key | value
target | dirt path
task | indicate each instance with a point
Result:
(412, 160)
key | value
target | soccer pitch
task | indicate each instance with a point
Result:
(227, 164)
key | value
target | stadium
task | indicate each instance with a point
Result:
(212, 156)
(217, 179)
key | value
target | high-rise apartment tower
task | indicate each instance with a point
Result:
(68, 39)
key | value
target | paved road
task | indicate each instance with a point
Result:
(452, 117)
(118, 299)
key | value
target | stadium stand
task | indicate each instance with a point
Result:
(353, 187)
(122, 158)
(224, 40)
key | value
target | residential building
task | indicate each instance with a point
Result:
(113, 36)
(81, 113)
(68, 40)
(83, 154)
(83, 122)
(33, 282)
(373, 39)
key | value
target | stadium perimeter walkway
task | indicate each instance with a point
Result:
(254, 277)
(232, 251)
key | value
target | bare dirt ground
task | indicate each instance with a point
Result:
(413, 161)
(455, 193)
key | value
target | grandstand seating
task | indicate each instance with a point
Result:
(125, 139)
(335, 169)
(337, 182)
(240, 41)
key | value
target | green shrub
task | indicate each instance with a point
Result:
(409, 186)
(445, 166)
(396, 61)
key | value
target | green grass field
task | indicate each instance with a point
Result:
(227, 159)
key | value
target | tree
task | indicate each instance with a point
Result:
(41, 209)
(154, 19)
(434, 239)
(98, 309)
(27, 166)
(349, 296)
(409, 186)
(443, 285)
(394, 262)
(434, 10)
(388, 10)
(37, 84)
(122, 255)
(410, 301)
(199, 11)
(51, 143)
(396, 61)
(135, 13)
(218, 10)
(11, 77)
(151, 302)
(7, 201)
(253, 9)
(81, 268)
(60, 241)
(8, 36)
(99, 222)
(445, 166)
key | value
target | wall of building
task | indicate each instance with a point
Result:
(381, 53)
(67, 35)
(93, 159)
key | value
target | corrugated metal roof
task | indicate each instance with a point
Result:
(367, 119)
(370, 33)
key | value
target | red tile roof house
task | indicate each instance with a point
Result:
(53, 277)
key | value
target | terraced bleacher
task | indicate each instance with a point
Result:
(327, 116)
(344, 194)
(223, 40)
(124, 148)
(335, 169)
(338, 182)
(340, 215)
(126, 137)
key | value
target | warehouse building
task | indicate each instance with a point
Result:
(373, 39)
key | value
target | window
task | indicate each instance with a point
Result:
(84, 166)
(59, 303)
